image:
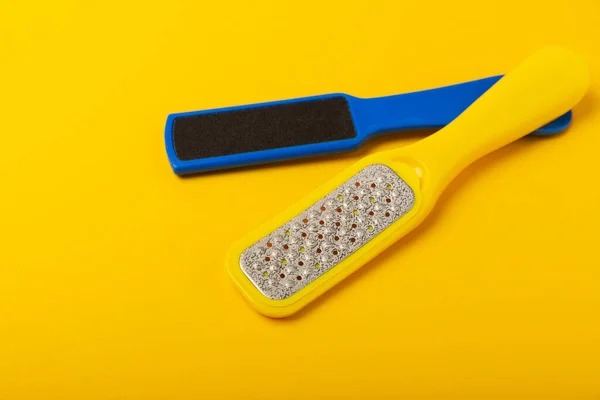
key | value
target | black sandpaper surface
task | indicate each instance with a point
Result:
(262, 128)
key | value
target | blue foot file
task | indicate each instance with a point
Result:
(290, 129)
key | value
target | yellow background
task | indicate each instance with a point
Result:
(112, 277)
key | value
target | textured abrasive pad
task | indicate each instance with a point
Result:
(262, 128)
(329, 231)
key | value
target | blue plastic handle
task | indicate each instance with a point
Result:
(433, 108)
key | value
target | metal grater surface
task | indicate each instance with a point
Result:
(322, 236)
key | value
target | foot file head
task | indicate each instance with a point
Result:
(328, 232)
(290, 129)
(306, 250)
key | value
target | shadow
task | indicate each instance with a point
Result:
(586, 106)
(480, 167)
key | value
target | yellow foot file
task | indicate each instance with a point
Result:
(316, 243)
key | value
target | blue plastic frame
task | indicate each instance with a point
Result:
(433, 108)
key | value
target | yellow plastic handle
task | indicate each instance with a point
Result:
(544, 86)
